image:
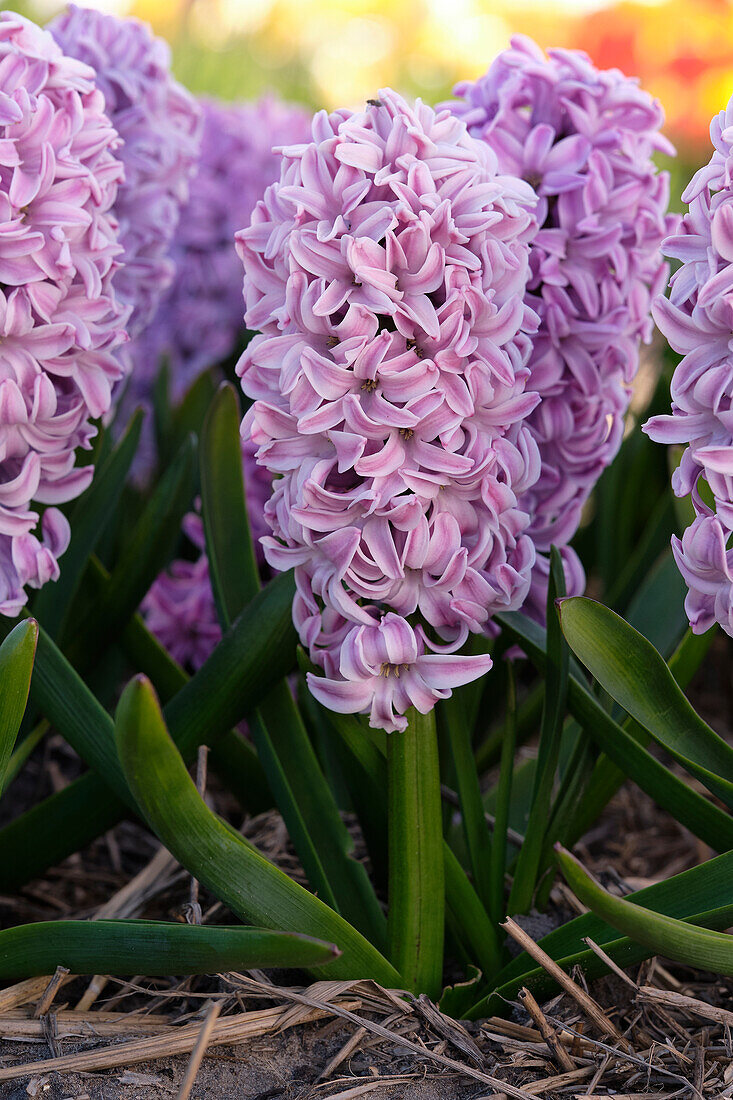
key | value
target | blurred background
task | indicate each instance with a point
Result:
(328, 53)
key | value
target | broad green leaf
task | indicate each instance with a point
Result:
(17, 654)
(607, 777)
(232, 566)
(88, 521)
(657, 608)
(702, 895)
(703, 818)
(675, 939)
(631, 670)
(254, 889)
(257, 651)
(553, 718)
(154, 948)
(416, 874)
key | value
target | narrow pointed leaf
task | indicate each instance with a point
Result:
(636, 676)
(153, 948)
(17, 654)
(553, 717)
(503, 797)
(252, 887)
(145, 554)
(703, 818)
(675, 939)
(453, 722)
(88, 521)
(232, 566)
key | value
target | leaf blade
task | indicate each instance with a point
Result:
(637, 677)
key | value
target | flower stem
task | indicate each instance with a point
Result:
(416, 874)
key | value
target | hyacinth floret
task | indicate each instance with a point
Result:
(385, 272)
(697, 320)
(160, 126)
(61, 322)
(584, 138)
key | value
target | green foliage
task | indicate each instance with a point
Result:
(458, 824)
(154, 948)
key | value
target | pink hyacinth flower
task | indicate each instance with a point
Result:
(386, 271)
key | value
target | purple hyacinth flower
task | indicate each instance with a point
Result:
(60, 320)
(160, 126)
(697, 320)
(584, 138)
(386, 273)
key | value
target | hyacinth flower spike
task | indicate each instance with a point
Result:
(160, 126)
(697, 321)
(386, 272)
(584, 138)
(61, 320)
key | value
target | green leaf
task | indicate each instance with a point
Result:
(453, 722)
(232, 758)
(607, 777)
(702, 895)
(703, 818)
(259, 649)
(232, 566)
(467, 917)
(503, 798)
(153, 948)
(89, 519)
(416, 872)
(17, 654)
(303, 796)
(631, 670)
(144, 555)
(63, 823)
(215, 854)
(311, 815)
(553, 717)
(675, 939)
(465, 913)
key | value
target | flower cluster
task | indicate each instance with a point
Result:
(160, 125)
(179, 608)
(697, 320)
(386, 273)
(584, 139)
(199, 321)
(60, 321)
